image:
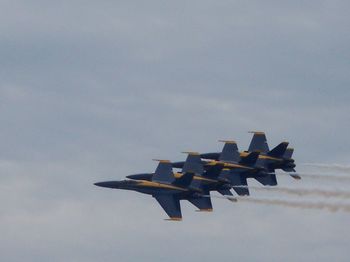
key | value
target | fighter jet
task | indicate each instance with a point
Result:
(213, 179)
(236, 169)
(279, 157)
(238, 177)
(168, 190)
(229, 158)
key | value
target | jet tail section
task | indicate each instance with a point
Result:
(279, 150)
(164, 172)
(289, 153)
(259, 143)
(250, 159)
(229, 152)
(193, 165)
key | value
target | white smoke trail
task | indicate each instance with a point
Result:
(335, 177)
(303, 192)
(304, 205)
(335, 167)
(332, 207)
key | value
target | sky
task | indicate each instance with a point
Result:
(94, 90)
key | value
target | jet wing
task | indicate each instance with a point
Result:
(171, 206)
(259, 143)
(203, 203)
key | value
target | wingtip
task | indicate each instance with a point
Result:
(227, 141)
(205, 210)
(257, 132)
(161, 160)
(173, 219)
(191, 153)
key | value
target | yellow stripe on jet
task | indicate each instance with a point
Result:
(245, 154)
(178, 175)
(174, 219)
(227, 165)
(146, 183)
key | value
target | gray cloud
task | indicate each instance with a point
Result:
(93, 91)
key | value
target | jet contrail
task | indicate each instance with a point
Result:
(305, 205)
(332, 207)
(336, 167)
(303, 192)
(335, 177)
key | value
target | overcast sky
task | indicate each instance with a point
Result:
(93, 90)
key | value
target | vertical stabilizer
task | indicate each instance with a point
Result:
(229, 152)
(259, 142)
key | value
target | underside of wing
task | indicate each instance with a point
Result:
(171, 206)
(202, 203)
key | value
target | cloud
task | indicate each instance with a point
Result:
(93, 91)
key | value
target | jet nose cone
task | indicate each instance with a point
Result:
(101, 184)
(109, 184)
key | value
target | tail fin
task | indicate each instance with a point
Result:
(164, 172)
(250, 159)
(259, 143)
(229, 152)
(289, 153)
(268, 180)
(279, 150)
(193, 163)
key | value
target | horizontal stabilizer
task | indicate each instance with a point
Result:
(267, 180)
(279, 150)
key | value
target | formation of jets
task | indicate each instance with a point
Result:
(202, 173)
